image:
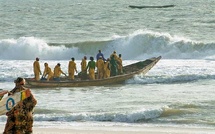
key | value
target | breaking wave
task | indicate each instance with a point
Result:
(138, 45)
(139, 116)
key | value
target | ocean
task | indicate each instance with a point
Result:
(178, 91)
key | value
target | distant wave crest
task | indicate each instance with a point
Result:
(138, 45)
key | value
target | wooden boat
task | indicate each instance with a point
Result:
(141, 67)
(164, 6)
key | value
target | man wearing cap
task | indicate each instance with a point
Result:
(37, 71)
(72, 68)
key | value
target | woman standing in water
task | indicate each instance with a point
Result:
(20, 117)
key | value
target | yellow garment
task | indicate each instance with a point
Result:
(106, 69)
(83, 65)
(119, 65)
(72, 69)
(48, 71)
(37, 71)
(57, 71)
(100, 68)
(92, 73)
(115, 56)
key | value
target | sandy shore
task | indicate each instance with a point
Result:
(121, 130)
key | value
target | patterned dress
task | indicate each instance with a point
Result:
(20, 118)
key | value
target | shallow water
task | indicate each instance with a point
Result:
(173, 93)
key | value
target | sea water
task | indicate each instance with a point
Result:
(177, 91)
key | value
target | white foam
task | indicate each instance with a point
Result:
(141, 44)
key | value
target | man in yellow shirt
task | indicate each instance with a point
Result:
(37, 71)
(115, 55)
(72, 68)
(58, 72)
(100, 68)
(83, 74)
(47, 71)
(83, 64)
(107, 68)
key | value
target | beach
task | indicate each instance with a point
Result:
(122, 130)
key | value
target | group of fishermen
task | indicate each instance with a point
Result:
(105, 68)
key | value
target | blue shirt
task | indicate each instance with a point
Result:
(100, 54)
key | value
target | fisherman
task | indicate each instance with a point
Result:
(58, 72)
(113, 68)
(47, 71)
(114, 54)
(84, 64)
(72, 68)
(100, 68)
(91, 65)
(37, 71)
(100, 54)
(107, 68)
(119, 62)
(83, 74)
(20, 117)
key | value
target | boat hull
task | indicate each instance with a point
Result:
(140, 7)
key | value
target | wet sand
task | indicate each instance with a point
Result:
(121, 130)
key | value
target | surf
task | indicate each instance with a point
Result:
(138, 45)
